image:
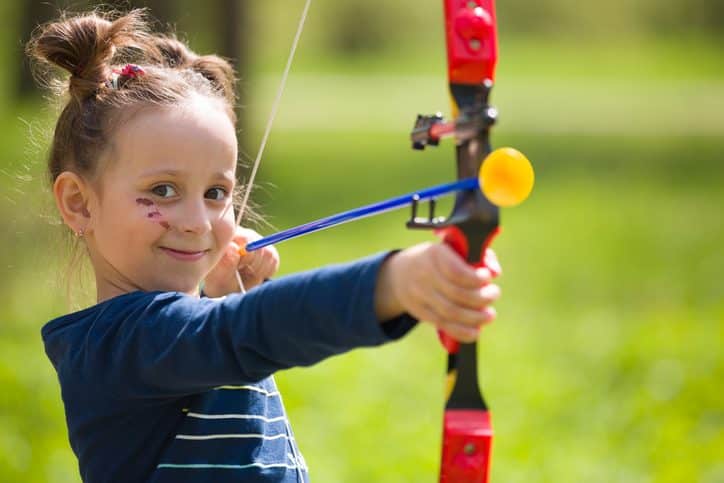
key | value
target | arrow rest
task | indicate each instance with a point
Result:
(419, 222)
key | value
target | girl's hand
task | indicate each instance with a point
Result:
(254, 267)
(433, 283)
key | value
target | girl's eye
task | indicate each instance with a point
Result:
(164, 191)
(216, 194)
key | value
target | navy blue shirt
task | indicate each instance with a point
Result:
(166, 387)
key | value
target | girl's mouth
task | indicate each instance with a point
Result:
(183, 255)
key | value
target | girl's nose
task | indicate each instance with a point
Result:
(194, 217)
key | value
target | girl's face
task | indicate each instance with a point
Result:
(162, 213)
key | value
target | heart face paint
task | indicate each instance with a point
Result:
(153, 212)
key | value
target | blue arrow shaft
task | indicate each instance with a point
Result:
(365, 211)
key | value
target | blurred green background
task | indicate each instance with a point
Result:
(606, 362)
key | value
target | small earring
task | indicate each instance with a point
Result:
(80, 233)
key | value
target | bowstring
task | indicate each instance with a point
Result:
(255, 168)
(269, 123)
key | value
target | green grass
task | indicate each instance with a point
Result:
(605, 363)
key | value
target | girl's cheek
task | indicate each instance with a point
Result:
(225, 227)
(152, 212)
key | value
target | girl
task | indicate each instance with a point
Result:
(160, 384)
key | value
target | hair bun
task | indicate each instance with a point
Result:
(219, 72)
(86, 45)
(175, 54)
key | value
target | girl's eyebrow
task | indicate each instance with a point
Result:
(178, 173)
(159, 172)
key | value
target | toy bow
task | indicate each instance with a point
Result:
(472, 52)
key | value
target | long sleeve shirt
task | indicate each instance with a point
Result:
(167, 387)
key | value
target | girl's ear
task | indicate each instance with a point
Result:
(72, 195)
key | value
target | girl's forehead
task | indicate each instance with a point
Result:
(196, 136)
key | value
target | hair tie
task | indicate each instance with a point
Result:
(131, 71)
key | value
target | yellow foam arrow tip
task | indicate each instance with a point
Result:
(506, 177)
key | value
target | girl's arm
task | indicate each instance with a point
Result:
(171, 344)
(167, 344)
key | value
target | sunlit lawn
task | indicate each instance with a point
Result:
(605, 364)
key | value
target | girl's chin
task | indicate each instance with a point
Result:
(189, 286)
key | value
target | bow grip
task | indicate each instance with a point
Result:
(455, 238)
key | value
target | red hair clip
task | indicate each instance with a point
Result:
(132, 71)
